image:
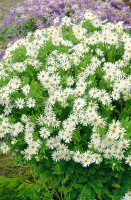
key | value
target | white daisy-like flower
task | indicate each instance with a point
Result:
(26, 89)
(31, 102)
(4, 148)
(27, 154)
(77, 156)
(20, 103)
(79, 103)
(56, 156)
(45, 133)
(128, 160)
(127, 196)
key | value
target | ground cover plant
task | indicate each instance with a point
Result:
(33, 14)
(46, 10)
(65, 108)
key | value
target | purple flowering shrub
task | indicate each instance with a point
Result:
(33, 14)
(44, 11)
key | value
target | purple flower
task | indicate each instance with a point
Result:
(2, 52)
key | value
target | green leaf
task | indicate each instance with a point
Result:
(116, 185)
(87, 193)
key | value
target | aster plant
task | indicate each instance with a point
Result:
(33, 14)
(65, 104)
(45, 11)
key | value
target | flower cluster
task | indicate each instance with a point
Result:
(62, 91)
(33, 14)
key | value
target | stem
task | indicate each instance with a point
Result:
(57, 195)
(61, 191)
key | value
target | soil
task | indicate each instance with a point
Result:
(5, 5)
(8, 168)
(127, 3)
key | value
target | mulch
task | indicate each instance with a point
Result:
(127, 3)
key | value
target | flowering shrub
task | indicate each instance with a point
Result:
(65, 97)
(47, 9)
(33, 14)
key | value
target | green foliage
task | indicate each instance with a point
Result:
(17, 189)
(63, 181)
(19, 55)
